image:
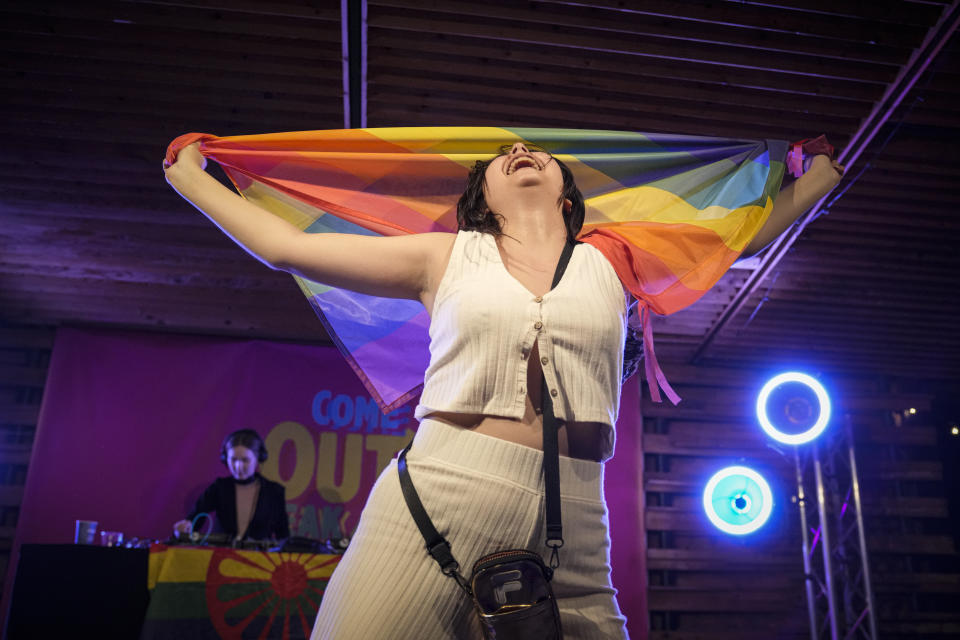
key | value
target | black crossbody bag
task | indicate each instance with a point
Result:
(510, 589)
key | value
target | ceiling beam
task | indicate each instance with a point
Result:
(353, 21)
(883, 109)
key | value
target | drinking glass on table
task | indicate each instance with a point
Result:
(111, 538)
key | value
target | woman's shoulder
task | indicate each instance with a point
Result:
(432, 243)
(270, 485)
(440, 238)
(219, 486)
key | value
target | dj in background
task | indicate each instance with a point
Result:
(247, 505)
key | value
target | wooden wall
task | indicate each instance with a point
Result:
(705, 585)
(24, 358)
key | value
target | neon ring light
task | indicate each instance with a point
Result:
(737, 500)
(793, 438)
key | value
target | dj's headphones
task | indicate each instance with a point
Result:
(244, 438)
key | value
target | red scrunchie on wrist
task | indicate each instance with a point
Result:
(805, 149)
(180, 142)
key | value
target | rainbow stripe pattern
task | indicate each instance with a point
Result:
(670, 212)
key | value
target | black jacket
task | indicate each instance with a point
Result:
(269, 518)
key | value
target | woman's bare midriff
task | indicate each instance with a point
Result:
(576, 439)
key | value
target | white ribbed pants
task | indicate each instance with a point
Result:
(484, 495)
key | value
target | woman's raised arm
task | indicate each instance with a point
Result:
(396, 267)
(793, 201)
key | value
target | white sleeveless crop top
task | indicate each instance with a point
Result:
(485, 323)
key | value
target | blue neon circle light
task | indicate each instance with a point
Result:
(793, 438)
(720, 500)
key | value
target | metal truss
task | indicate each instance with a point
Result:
(840, 600)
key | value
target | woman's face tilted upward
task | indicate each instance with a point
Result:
(242, 462)
(521, 173)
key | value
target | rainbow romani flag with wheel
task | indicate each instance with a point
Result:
(215, 593)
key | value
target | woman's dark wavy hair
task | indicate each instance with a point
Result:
(473, 214)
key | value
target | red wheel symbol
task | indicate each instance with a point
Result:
(289, 580)
(253, 594)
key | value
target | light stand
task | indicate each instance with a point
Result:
(840, 601)
(839, 594)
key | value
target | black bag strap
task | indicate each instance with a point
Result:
(551, 447)
(437, 545)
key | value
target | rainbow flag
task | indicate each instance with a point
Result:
(670, 212)
(203, 592)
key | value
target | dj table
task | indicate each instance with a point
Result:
(170, 592)
(78, 591)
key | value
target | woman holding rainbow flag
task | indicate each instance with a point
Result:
(659, 221)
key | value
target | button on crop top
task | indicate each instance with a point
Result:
(485, 323)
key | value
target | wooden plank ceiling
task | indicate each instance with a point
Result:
(93, 92)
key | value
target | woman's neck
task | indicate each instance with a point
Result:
(246, 481)
(533, 230)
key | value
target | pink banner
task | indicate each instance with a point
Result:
(131, 427)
